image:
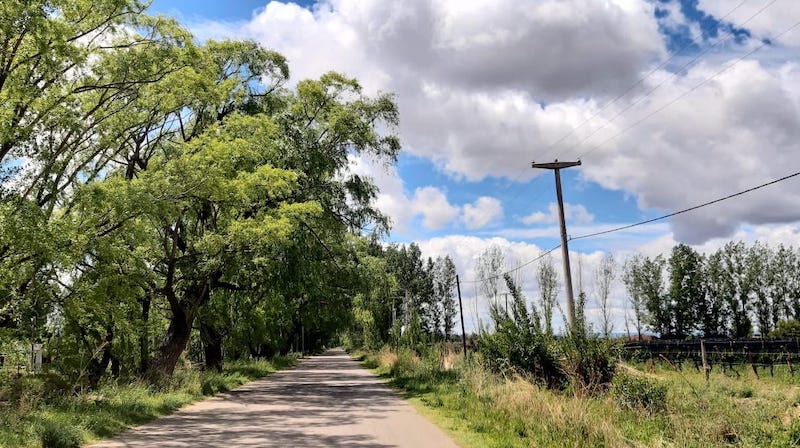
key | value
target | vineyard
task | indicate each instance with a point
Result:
(724, 355)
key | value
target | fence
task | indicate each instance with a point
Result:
(724, 353)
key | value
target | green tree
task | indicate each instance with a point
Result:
(547, 279)
(761, 278)
(633, 279)
(444, 286)
(685, 289)
(737, 287)
(657, 303)
(712, 312)
(786, 284)
(604, 278)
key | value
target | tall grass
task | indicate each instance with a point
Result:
(34, 414)
(655, 406)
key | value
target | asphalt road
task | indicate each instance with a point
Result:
(326, 401)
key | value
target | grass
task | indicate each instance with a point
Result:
(481, 409)
(33, 414)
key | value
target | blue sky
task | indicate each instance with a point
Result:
(668, 104)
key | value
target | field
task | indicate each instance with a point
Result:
(483, 409)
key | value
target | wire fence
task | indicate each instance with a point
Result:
(724, 354)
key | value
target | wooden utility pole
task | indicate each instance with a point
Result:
(556, 167)
(461, 309)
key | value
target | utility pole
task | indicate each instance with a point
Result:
(556, 167)
(461, 309)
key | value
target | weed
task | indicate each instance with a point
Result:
(60, 434)
(639, 393)
(41, 416)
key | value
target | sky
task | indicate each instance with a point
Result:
(667, 103)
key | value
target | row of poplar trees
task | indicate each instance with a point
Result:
(157, 191)
(736, 291)
(415, 305)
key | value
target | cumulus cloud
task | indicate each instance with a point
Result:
(745, 133)
(572, 213)
(431, 203)
(484, 87)
(775, 18)
(484, 211)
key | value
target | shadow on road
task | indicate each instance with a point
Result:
(326, 401)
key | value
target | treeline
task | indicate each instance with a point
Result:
(413, 302)
(160, 195)
(735, 292)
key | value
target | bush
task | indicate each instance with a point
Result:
(588, 362)
(59, 434)
(518, 343)
(584, 363)
(639, 393)
(786, 329)
(406, 362)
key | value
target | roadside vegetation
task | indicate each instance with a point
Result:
(167, 202)
(36, 412)
(524, 386)
(646, 405)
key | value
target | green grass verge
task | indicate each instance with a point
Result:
(38, 417)
(480, 409)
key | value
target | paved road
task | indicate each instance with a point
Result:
(326, 401)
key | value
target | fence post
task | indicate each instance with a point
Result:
(705, 361)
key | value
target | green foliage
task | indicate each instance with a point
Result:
(786, 329)
(663, 407)
(579, 361)
(639, 393)
(518, 343)
(170, 182)
(588, 362)
(40, 416)
(60, 434)
(686, 289)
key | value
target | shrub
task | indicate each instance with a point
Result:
(60, 434)
(786, 329)
(639, 393)
(518, 343)
(405, 363)
(588, 362)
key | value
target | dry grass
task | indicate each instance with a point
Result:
(483, 409)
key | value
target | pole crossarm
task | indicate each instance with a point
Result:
(555, 165)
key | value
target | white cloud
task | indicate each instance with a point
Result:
(777, 17)
(572, 213)
(480, 83)
(468, 75)
(746, 132)
(484, 211)
(430, 202)
(433, 205)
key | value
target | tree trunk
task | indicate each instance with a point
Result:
(212, 346)
(98, 367)
(178, 333)
(180, 329)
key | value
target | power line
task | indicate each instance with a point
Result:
(705, 204)
(684, 94)
(527, 263)
(642, 98)
(625, 227)
(648, 75)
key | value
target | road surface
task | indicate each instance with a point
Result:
(326, 401)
